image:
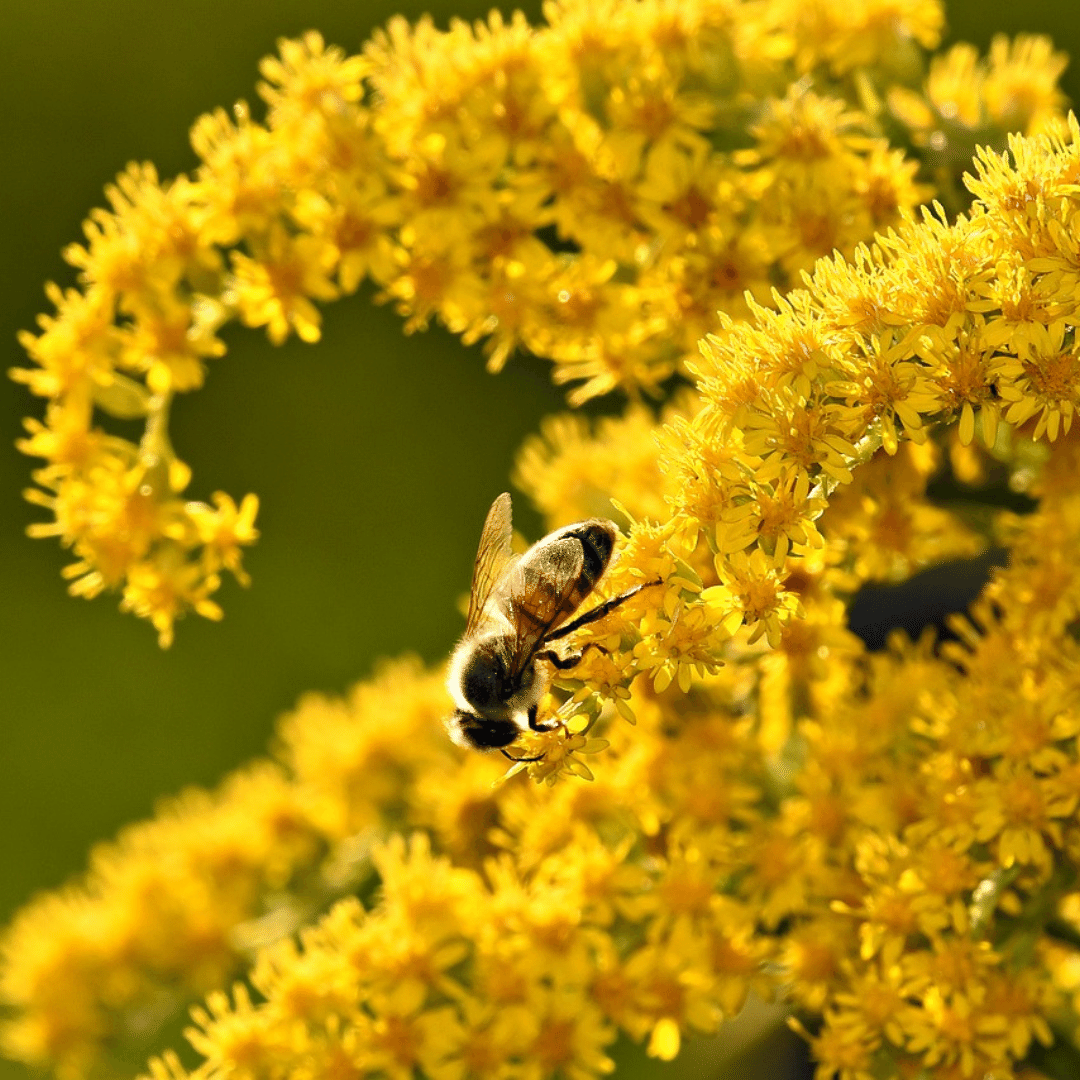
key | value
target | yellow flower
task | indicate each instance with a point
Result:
(169, 347)
(780, 519)
(1043, 379)
(556, 753)
(686, 645)
(953, 1030)
(571, 1037)
(161, 592)
(75, 346)
(572, 473)
(1015, 813)
(309, 76)
(890, 387)
(751, 592)
(356, 217)
(876, 31)
(224, 530)
(813, 959)
(273, 289)
(842, 1050)
(1021, 84)
(885, 527)
(235, 1037)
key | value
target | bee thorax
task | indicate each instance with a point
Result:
(481, 682)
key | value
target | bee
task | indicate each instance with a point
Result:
(519, 606)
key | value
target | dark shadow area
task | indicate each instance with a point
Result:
(925, 600)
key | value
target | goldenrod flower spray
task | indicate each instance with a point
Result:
(886, 842)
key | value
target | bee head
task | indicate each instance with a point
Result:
(476, 733)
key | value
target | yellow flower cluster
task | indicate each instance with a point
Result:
(970, 323)
(888, 841)
(122, 348)
(593, 190)
(222, 873)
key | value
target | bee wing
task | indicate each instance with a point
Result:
(492, 559)
(538, 595)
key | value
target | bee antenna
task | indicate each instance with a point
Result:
(519, 759)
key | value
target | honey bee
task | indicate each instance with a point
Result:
(519, 606)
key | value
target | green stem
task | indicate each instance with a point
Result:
(155, 444)
(155, 450)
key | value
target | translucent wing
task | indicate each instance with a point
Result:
(540, 594)
(492, 559)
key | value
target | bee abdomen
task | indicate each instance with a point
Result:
(597, 539)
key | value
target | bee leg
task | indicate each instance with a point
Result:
(564, 663)
(606, 608)
(533, 725)
(519, 759)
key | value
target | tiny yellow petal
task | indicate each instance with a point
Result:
(665, 1039)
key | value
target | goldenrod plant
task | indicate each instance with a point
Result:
(824, 267)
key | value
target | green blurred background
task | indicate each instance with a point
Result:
(375, 454)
